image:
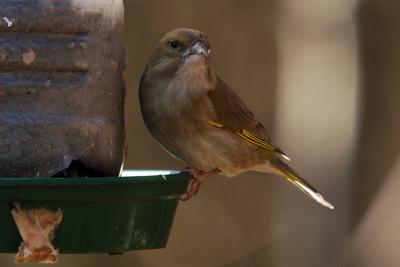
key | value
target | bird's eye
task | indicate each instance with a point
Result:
(174, 44)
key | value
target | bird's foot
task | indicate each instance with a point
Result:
(199, 177)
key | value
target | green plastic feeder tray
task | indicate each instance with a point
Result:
(100, 215)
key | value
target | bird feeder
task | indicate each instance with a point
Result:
(61, 121)
(99, 215)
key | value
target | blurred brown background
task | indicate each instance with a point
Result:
(324, 78)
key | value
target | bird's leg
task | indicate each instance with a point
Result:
(199, 176)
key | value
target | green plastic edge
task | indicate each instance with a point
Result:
(172, 176)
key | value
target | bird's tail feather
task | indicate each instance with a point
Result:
(302, 184)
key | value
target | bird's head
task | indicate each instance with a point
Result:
(181, 47)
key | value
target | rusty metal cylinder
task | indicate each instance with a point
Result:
(61, 86)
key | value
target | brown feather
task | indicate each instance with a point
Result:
(233, 114)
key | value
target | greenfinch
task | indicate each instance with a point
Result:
(201, 121)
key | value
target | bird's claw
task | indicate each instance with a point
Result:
(194, 189)
(199, 177)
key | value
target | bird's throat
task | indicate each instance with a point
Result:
(195, 76)
(195, 59)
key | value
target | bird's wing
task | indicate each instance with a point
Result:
(232, 114)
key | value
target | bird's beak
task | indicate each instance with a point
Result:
(198, 53)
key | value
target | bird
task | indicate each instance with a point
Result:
(200, 120)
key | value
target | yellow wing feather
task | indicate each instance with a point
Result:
(260, 141)
(254, 139)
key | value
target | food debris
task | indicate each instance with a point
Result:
(28, 57)
(36, 227)
(9, 22)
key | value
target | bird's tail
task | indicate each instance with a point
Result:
(300, 183)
